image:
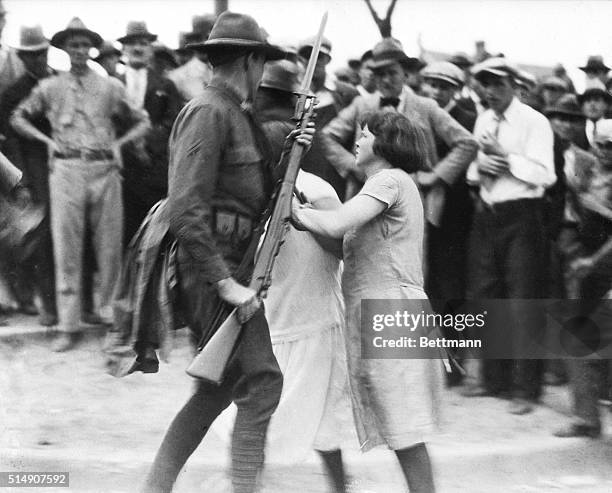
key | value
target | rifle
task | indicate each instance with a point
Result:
(210, 363)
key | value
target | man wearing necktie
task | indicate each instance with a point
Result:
(507, 245)
(390, 63)
(146, 161)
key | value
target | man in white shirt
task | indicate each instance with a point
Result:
(595, 102)
(507, 245)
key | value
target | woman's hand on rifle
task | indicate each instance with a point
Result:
(303, 137)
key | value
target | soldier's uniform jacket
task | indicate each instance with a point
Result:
(220, 181)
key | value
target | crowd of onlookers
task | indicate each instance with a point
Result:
(518, 197)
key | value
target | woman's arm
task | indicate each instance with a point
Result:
(335, 223)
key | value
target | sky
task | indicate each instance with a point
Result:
(529, 31)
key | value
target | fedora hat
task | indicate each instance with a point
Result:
(444, 71)
(201, 25)
(595, 63)
(595, 91)
(566, 105)
(462, 60)
(234, 31)
(31, 38)
(281, 75)
(76, 26)
(137, 29)
(555, 83)
(107, 49)
(390, 51)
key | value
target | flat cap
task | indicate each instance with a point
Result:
(445, 71)
(497, 66)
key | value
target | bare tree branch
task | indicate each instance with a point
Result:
(373, 12)
(384, 25)
(390, 9)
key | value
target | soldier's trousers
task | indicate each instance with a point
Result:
(254, 383)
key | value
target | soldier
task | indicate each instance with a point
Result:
(220, 181)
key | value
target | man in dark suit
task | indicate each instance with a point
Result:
(331, 99)
(447, 243)
(145, 173)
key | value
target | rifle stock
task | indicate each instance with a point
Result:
(209, 364)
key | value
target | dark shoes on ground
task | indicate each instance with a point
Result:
(65, 341)
(578, 429)
(28, 309)
(146, 361)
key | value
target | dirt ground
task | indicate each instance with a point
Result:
(64, 405)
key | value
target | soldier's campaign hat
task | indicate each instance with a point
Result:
(137, 30)
(566, 105)
(234, 31)
(31, 38)
(444, 71)
(389, 51)
(281, 75)
(76, 26)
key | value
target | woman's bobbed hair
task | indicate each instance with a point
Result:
(398, 140)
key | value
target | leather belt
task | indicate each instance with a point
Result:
(85, 155)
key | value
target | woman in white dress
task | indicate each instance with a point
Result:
(395, 402)
(305, 310)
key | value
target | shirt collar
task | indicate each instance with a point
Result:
(231, 94)
(511, 112)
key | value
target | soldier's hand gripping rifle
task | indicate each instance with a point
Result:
(211, 361)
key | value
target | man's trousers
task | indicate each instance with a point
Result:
(505, 259)
(253, 381)
(81, 193)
